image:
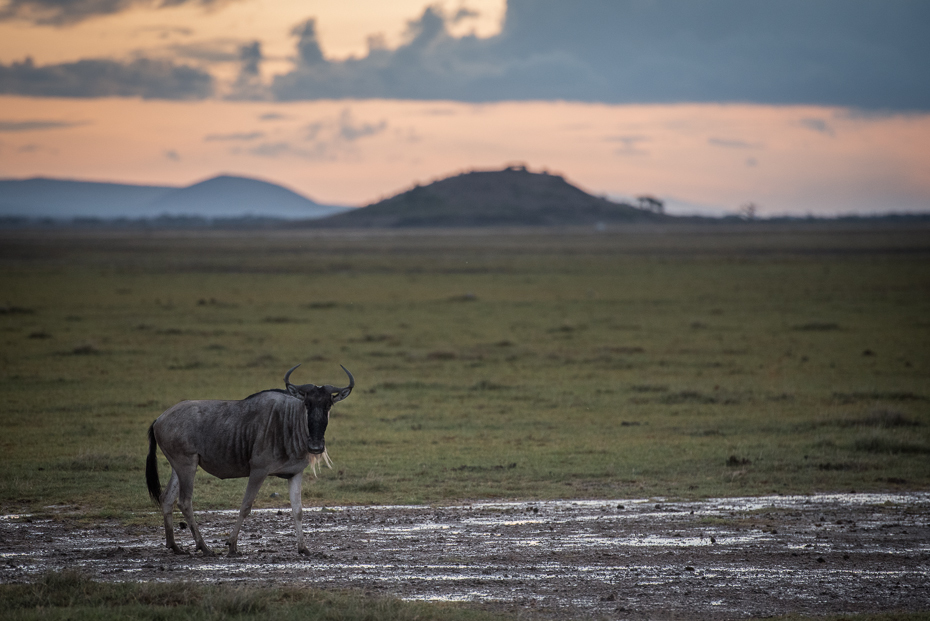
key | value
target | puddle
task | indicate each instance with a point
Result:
(717, 558)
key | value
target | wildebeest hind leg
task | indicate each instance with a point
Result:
(185, 502)
(256, 478)
(168, 498)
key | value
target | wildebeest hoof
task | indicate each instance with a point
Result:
(207, 551)
(303, 551)
(179, 550)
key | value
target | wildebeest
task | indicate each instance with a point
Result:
(273, 432)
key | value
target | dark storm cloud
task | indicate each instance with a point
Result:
(146, 78)
(856, 53)
(866, 55)
(67, 12)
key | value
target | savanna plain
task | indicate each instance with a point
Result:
(675, 363)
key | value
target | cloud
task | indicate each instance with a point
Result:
(439, 112)
(730, 143)
(143, 77)
(858, 54)
(351, 131)
(629, 144)
(234, 136)
(327, 139)
(818, 125)
(248, 84)
(463, 13)
(426, 66)
(38, 125)
(855, 53)
(331, 138)
(432, 64)
(68, 12)
(271, 149)
(33, 148)
(832, 52)
(207, 52)
(316, 151)
(308, 46)
(165, 32)
(343, 129)
(250, 55)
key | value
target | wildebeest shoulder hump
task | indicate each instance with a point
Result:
(284, 392)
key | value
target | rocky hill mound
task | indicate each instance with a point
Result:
(513, 196)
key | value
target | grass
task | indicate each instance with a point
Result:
(70, 595)
(531, 365)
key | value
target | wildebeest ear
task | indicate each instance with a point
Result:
(342, 394)
(294, 391)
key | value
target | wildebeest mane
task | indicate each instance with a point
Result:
(261, 392)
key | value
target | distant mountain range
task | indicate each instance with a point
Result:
(513, 196)
(222, 197)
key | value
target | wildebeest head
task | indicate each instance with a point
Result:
(318, 400)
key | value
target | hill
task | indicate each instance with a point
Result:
(227, 196)
(65, 199)
(221, 197)
(513, 196)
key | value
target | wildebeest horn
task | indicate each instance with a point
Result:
(347, 389)
(351, 379)
(287, 378)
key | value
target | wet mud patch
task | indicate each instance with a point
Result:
(719, 558)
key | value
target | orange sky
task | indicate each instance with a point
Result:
(786, 159)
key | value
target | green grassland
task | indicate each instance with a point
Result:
(637, 362)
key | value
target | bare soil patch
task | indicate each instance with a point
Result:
(718, 558)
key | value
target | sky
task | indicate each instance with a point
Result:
(800, 107)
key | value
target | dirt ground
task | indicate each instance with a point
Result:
(720, 559)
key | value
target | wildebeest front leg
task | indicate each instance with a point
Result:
(294, 487)
(256, 478)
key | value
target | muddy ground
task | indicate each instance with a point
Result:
(723, 558)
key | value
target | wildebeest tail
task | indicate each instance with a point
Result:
(151, 469)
